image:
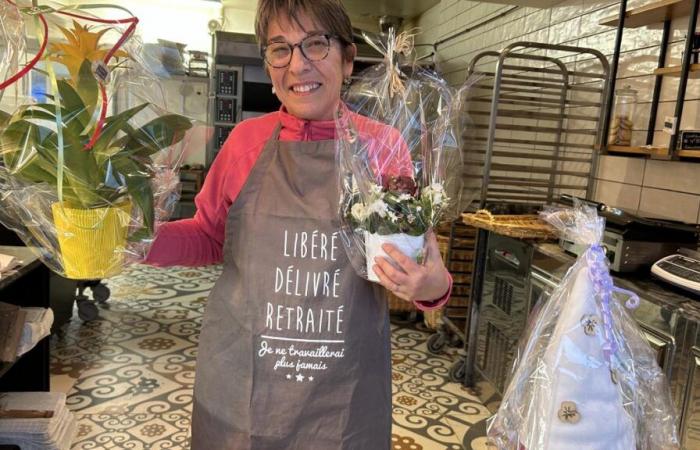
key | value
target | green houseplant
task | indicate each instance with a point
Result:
(99, 177)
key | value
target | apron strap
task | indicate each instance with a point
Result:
(276, 134)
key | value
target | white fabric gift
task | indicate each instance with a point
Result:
(585, 378)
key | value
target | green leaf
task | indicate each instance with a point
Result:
(80, 171)
(35, 113)
(159, 133)
(139, 188)
(87, 87)
(112, 126)
(18, 145)
(74, 113)
(4, 119)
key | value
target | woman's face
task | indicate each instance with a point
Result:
(310, 90)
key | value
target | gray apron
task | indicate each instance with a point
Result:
(294, 351)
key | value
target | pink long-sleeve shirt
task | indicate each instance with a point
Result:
(199, 241)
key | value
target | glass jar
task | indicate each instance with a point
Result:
(623, 111)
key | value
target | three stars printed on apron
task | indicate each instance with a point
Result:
(299, 377)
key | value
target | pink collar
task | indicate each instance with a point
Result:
(295, 129)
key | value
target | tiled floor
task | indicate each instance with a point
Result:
(129, 375)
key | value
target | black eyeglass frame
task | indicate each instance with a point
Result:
(299, 44)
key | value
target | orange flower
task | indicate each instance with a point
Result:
(82, 45)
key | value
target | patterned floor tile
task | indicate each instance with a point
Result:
(154, 345)
(133, 431)
(62, 383)
(428, 439)
(132, 371)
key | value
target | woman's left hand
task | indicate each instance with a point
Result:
(412, 281)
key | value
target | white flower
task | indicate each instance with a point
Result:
(378, 207)
(411, 218)
(405, 197)
(359, 212)
(437, 187)
(436, 193)
(375, 189)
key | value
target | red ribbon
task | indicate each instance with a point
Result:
(132, 21)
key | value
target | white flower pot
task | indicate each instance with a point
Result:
(411, 246)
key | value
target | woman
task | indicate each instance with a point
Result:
(294, 351)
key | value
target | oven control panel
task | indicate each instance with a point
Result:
(227, 82)
(226, 109)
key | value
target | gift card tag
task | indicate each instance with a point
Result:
(101, 71)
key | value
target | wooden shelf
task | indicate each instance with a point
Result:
(657, 151)
(688, 153)
(653, 13)
(675, 71)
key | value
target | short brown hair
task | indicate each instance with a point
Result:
(330, 14)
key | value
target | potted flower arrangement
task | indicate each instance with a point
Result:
(99, 167)
(395, 212)
(399, 156)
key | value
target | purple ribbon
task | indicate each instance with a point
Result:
(603, 287)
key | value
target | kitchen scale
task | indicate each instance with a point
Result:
(681, 269)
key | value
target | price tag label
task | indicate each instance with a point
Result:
(101, 71)
(670, 125)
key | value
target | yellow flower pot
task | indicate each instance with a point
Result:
(92, 241)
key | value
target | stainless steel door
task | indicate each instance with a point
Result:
(505, 307)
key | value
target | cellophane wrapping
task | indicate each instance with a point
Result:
(585, 376)
(89, 157)
(399, 153)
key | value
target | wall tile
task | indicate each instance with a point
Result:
(661, 138)
(665, 188)
(639, 137)
(638, 62)
(690, 119)
(673, 175)
(669, 89)
(621, 169)
(595, 5)
(565, 10)
(590, 21)
(618, 195)
(669, 205)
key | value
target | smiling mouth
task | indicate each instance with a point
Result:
(305, 88)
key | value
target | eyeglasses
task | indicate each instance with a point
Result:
(314, 47)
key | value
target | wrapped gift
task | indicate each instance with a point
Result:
(585, 377)
(400, 156)
(84, 155)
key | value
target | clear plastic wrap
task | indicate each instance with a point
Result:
(399, 156)
(585, 376)
(12, 42)
(87, 152)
